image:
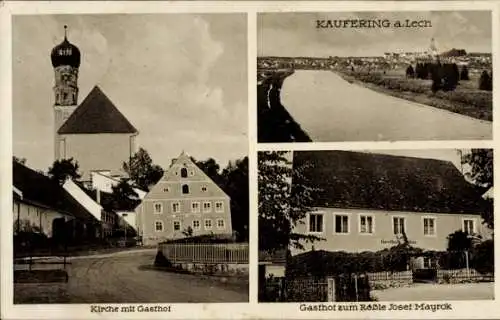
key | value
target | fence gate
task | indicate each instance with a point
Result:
(351, 287)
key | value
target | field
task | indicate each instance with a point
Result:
(466, 99)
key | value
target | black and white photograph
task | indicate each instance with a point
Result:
(130, 159)
(374, 76)
(376, 226)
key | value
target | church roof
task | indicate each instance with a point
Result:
(96, 114)
(360, 180)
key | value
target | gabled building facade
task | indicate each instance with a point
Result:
(184, 202)
(368, 202)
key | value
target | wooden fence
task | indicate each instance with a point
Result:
(458, 275)
(391, 276)
(219, 253)
(344, 287)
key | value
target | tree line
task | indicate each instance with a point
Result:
(446, 76)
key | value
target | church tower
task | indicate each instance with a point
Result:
(66, 61)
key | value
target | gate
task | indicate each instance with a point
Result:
(352, 287)
(425, 275)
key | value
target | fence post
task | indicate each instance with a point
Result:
(331, 288)
(356, 286)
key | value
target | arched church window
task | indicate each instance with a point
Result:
(184, 173)
(185, 189)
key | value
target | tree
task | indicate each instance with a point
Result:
(233, 180)
(281, 207)
(19, 160)
(485, 81)
(236, 185)
(410, 73)
(188, 232)
(211, 168)
(123, 196)
(464, 74)
(481, 173)
(459, 242)
(63, 169)
(481, 163)
(142, 171)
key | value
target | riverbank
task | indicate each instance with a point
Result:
(275, 124)
(465, 101)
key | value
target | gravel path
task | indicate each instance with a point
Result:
(123, 278)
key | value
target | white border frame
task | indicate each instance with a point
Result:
(461, 309)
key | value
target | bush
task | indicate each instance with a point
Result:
(483, 257)
(325, 263)
(161, 261)
(485, 82)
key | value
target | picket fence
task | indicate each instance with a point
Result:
(463, 274)
(218, 253)
(390, 276)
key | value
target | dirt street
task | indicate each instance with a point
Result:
(125, 278)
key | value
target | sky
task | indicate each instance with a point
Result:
(180, 79)
(296, 34)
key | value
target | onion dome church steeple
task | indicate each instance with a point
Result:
(65, 53)
(66, 60)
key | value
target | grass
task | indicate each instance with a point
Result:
(466, 99)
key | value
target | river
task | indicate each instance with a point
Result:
(329, 108)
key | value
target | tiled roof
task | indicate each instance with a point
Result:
(385, 182)
(40, 189)
(96, 114)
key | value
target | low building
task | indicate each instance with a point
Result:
(42, 206)
(184, 202)
(368, 202)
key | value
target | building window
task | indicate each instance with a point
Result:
(185, 189)
(208, 224)
(195, 207)
(196, 224)
(158, 207)
(366, 224)
(398, 225)
(166, 189)
(315, 222)
(158, 226)
(468, 226)
(204, 189)
(219, 206)
(341, 224)
(176, 207)
(206, 207)
(184, 173)
(220, 223)
(429, 226)
(177, 225)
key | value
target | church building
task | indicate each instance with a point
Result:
(185, 202)
(95, 133)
